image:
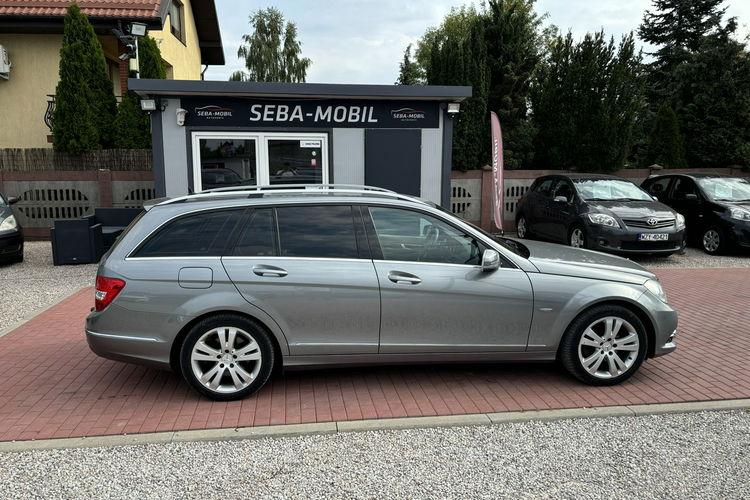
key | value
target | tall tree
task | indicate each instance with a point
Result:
(85, 102)
(713, 101)
(458, 56)
(512, 34)
(149, 59)
(408, 72)
(665, 145)
(585, 100)
(272, 52)
(676, 28)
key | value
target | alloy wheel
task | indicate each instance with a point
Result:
(608, 347)
(226, 359)
(577, 238)
(711, 241)
(521, 229)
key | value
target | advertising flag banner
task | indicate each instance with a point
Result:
(497, 171)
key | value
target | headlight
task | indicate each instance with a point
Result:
(680, 222)
(739, 213)
(9, 223)
(603, 219)
(654, 287)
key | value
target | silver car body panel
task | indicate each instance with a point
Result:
(330, 312)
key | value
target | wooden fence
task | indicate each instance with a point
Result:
(48, 160)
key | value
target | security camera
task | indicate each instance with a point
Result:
(181, 112)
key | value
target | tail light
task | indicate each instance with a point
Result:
(106, 291)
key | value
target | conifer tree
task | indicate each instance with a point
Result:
(665, 146)
(85, 103)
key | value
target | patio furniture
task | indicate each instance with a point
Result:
(76, 242)
(113, 222)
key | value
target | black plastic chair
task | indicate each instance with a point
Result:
(76, 242)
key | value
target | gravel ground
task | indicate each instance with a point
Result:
(697, 455)
(35, 283)
(694, 257)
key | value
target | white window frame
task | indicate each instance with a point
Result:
(261, 151)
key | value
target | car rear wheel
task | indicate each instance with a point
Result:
(604, 346)
(577, 237)
(713, 241)
(227, 357)
(522, 227)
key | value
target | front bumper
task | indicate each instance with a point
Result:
(11, 245)
(625, 240)
(739, 233)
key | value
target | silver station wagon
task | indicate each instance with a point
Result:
(228, 285)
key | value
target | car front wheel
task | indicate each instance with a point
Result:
(522, 228)
(577, 237)
(713, 241)
(226, 357)
(604, 346)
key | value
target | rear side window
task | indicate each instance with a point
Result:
(544, 186)
(322, 231)
(198, 235)
(257, 237)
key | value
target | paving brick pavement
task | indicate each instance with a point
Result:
(52, 386)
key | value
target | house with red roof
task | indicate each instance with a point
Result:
(187, 32)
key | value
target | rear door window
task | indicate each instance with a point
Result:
(258, 236)
(317, 231)
(659, 187)
(544, 187)
(203, 234)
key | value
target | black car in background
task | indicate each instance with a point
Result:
(11, 237)
(716, 208)
(599, 212)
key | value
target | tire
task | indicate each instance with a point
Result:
(229, 377)
(577, 237)
(522, 228)
(620, 359)
(713, 241)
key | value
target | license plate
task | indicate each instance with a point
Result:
(653, 237)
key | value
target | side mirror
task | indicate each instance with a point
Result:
(691, 197)
(490, 260)
(12, 200)
(561, 199)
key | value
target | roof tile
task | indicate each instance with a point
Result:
(92, 8)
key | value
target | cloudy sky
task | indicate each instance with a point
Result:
(362, 41)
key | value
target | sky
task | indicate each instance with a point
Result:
(363, 41)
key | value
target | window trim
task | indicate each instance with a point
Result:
(261, 151)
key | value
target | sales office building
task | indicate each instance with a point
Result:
(214, 134)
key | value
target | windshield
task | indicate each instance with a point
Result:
(514, 246)
(725, 189)
(610, 190)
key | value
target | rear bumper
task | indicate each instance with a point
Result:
(139, 350)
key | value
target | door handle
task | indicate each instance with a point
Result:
(269, 271)
(403, 278)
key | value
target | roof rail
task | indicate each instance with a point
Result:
(286, 189)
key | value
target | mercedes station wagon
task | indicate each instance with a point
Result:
(226, 286)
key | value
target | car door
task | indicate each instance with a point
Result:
(536, 206)
(685, 198)
(309, 268)
(435, 297)
(561, 213)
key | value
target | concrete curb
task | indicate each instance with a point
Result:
(276, 431)
(37, 312)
